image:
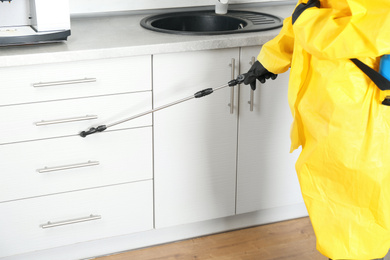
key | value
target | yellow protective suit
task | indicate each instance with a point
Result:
(344, 130)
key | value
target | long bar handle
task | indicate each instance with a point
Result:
(198, 94)
(71, 221)
(63, 82)
(66, 120)
(67, 167)
(233, 64)
(251, 91)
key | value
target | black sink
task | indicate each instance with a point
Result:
(210, 23)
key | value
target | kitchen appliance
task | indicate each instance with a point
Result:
(33, 21)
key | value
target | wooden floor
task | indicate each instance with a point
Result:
(289, 240)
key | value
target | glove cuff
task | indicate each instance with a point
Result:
(259, 69)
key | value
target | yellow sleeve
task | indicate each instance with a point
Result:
(360, 30)
(276, 54)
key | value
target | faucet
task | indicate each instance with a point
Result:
(221, 7)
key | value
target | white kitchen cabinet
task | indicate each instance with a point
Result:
(210, 163)
(266, 176)
(90, 188)
(213, 158)
(194, 142)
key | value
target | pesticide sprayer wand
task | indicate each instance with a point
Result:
(198, 94)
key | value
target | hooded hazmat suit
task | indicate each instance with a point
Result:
(344, 130)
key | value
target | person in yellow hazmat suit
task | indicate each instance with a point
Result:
(339, 120)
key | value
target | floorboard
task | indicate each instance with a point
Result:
(289, 240)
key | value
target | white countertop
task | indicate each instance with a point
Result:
(121, 35)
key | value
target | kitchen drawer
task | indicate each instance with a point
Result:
(88, 215)
(69, 117)
(25, 84)
(30, 169)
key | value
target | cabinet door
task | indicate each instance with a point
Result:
(266, 172)
(195, 141)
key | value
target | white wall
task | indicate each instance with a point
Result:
(94, 6)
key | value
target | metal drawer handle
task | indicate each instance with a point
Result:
(250, 102)
(252, 92)
(67, 167)
(233, 64)
(64, 82)
(66, 120)
(69, 222)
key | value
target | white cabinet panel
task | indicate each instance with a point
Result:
(266, 173)
(195, 141)
(19, 122)
(123, 209)
(112, 76)
(89, 188)
(122, 156)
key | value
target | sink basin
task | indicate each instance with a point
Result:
(210, 23)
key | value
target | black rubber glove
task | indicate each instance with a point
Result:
(257, 71)
(302, 7)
